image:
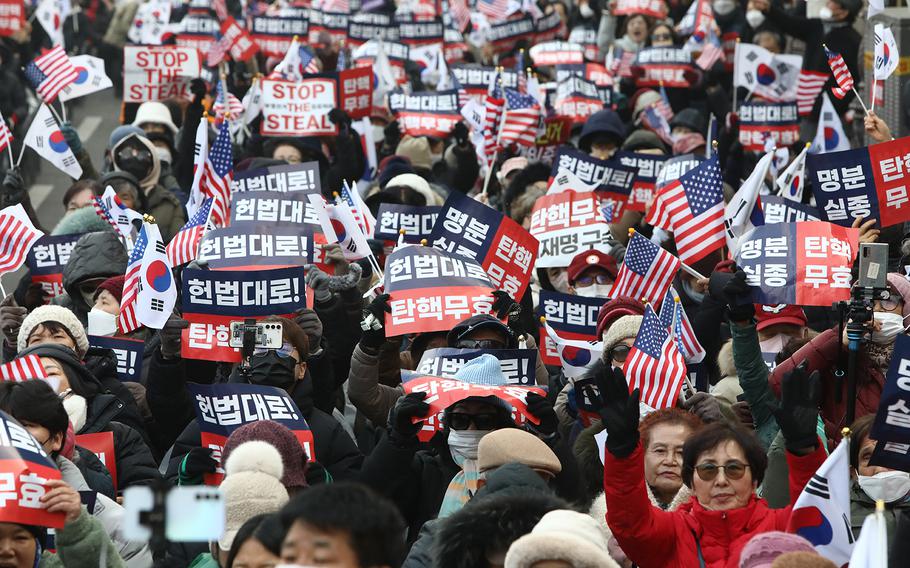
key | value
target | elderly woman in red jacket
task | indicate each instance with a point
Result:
(722, 465)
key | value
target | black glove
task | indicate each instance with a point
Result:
(797, 414)
(13, 180)
(460, 133)
(504, 305)
(198, 88)
(392, 134)
(618, 410)
(735, 292)
(170, 336)
(402, 429)
(340, 118)
(374, 336)
(704, 406)
(11, 317)
(196, 463)
(35, 295)
(542, 409)
(311, 325)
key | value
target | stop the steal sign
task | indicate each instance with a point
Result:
(298, 109)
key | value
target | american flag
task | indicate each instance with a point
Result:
(841, 74)
(520, 120)
(359, 210)
(495, 10)
(337, 6)
(184, 247)
(17, 236)
(655, 121)
(50, 73)
(5, 136)
(308, 62)
(218, 50)
(233, 104)
(655, 365)
(463, 96)
(647, 271)
(128, 320)
(221, 10)
(461, 14)
(674, 317)
(663, 105)
(219, 171)
(493, 107)
(23, 369)
(520, 69)
(809, 85)
(711, 52)
(621, 66)
(692, 207)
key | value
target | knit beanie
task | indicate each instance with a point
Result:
(416, 150)
(615, 309)
(763, 548)
(511, 445)
(114, 285)
(483, 370)
(564, 535)
(293, 456)
(900, 283)
(802, 560)
(58, 314)
(624, 328)
(252, 486)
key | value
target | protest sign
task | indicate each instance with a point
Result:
(572, 317)
(676, 167)
(433, 290)
(505, 35)
(474, 231)
(47, 259)
(777, 209)
(567, 223)
(197, 30)
(443, 393)
(242, 45)
(155, 73)
(257, 246)
(295, 177)
(518, 365)
(421, 32)
(667, 66)
(274, 34)
(355, 91)
(578, 99)
(366, 26)
(806, 263)
(611, 178)
(102, 445)
(594, 72)
(654, 8)
(866, 182)
(556, 132)
(128, 353)
(759, 121)
(475, 79)
(891, 428)
(12, 17)
(647, 168)
(398, 55)
(455, 46)
(333, 23)
(222, 408)
(416, 221)
(25, 469)
(586, 37)
(282, 209)
(556, 52)
(549, 27)
(426, 113)
(298, 109)
(213, 299)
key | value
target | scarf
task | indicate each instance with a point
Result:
(460, 490)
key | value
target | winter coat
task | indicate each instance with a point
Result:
(651, 537)
(120, 23)
(82, 543)
(96, 255)
(93, 471)
(861, 506)
(753, 379)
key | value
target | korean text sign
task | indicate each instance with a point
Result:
(213, 299)
(433, 290)
(128, 353)
(25, 469)
(567, 223)
(669, 66)
(806, 263)
(759, 120)
(427, 113)
(155, 73)
(611, 178)
(891, 428)
(297, 177)
(12, 16)
(222, 408)
(263, 245)
(48, 258)
(573, 317)
(415, 220)
(518, 365)
(298, 109)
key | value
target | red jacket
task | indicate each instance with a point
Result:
(652, 537)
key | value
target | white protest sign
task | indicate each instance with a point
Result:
(298, 109)
(155, 73)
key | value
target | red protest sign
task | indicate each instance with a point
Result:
(443, 393)
(242, 45)
(155, 73)
(890, 167)
(102, 445)
(12, 16)
(298, 109)
(355, 88)
(654, 8)
(25, 469)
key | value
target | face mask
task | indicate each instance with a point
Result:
(889, 486)
(76, 409)
(101, 323)
(585, 11)
(560, 282)
(724, 7)
(595, 291)
(691, 292)
(685, 143)
(892, 326)
(826, 14)
(463, 444)
(272, 370)
(164, 155)
(139, 165)
(774, 344)
(755, 18)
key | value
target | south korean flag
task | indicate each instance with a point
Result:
(157, 290)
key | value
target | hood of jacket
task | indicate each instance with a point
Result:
(151, 180)
(83, 220)
(96, 255)
(81, 380)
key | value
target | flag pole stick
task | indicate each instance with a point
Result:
(2, 289)
(692, 271)
(874, 83)
(55, 113)
(861, 101)
(486, 181)
(9, 149)
(735, 52)
(21, 152)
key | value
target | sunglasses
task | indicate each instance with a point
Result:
(661, 37)
(283, 351)
(619, 353)
(732, 469)
(463, 421)
(588, 279)
(480, 344)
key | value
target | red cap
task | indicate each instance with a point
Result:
(615, 309)
(768, 315)
(589, 258)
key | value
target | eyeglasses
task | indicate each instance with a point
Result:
(619, 353)
(480, 344)
(732, 469)
(661, 37)
(890, 303)
(463, 421)
(588, 279)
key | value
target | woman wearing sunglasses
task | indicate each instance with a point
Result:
(721, 464)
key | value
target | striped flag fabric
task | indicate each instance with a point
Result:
(493, 105)
(289, 68)
(461, 14)
(218, 174)
(674, 317)
(225, 100)
(50, 73)
(654, 364)
(218, 51)
(520, 120)
(712, 51)
(842, 75)
(184, 247)
(17, 236)
(574, 354)
(221, 11)
(359, 210)
(308, 62)
(23, 369)
(692, 207)
(5, 136)
(663, 105)
(809, 85)
(495, 10)
(654, 119)
(127, 321)
(646, 273)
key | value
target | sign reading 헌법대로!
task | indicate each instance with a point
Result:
(573, 317)
(415, 220)
(648, 167)
(667, 66)
(128, 353)
(282, 179)
(284, 209)
(156, 73)
(518, 365)
(48, 258)
(260, 246)
(426, 113)
(759, 121)
(298, 108)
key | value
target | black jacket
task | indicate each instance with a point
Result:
(96, 255)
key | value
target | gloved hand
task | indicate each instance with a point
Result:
(170, 336)
(735, 292)
(373, 319)
(542, 409)
(310, 323)
(333, 254)
(198, 88)
(71, 137)
(743, 413)
(195, 464)
(704, 406)
(13, 180)
(618, 410)
(340, 118)
(319, 282)
(35, 295)
(504, 305)
(797, 414)
(11, 317)
(402, 429)
(460, 133)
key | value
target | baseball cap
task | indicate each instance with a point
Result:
(773, 314)
(590, 258)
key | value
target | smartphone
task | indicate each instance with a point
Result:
(268, 335)
(195, 513)
(136, 501)
(873, 265)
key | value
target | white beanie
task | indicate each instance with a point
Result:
(624, 328)
(416, 183)
(157, 113)
(563, 535)
(251, 486)
(59, 314)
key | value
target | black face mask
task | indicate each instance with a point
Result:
(270, 369)
(139, 165)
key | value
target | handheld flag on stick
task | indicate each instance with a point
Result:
(184, 247)
(647, 271)
(17, 236)
(654, 363)
(50, 73)
(45, 138)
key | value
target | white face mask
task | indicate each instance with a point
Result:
(101, 323)
(892, 326)
(595, 291)
(76, 409)
(775, 344)
(585, 10)
(164, 155)
(463, 444)
(724, 7)
(755, 18)
(826, 14)
(889, 486)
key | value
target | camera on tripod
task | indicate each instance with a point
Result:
(871, 285)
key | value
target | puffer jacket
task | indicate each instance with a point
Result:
(861, 506)
(96, 255)
(82, 543)
(651, 537)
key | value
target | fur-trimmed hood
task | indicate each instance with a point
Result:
(599, 506)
